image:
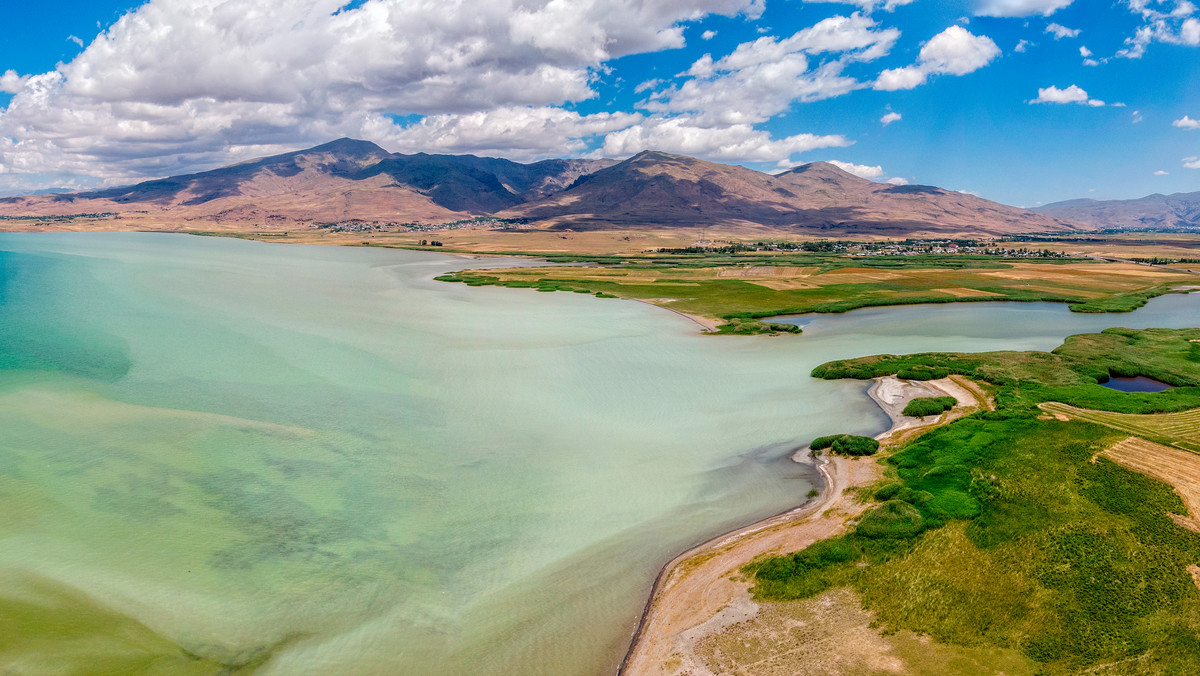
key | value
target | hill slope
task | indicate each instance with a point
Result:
(654, 188)
(1181, 210)
(338, 181)
(349, 180)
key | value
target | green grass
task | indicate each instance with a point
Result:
(1001, 531)
(923, 406)
(694, 284)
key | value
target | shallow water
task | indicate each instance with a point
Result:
(1135, 384)
(311, 460)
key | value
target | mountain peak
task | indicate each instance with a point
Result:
(348, 146)
(823, 170)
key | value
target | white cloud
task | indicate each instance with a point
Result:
(1072, 94)
(763, 78)
(1176, 27)
(1022, 46)
(1060, 31)
(1191, 162)
(648, 84)
(897, 180)
(1018, 7)
(734, 143)
(178, 85)
(1135, 117)
(889, 118)
(708, 35)
(1186, 122)
(860, 170)
(868, 5)
(11, 82)
(895, 79)
(520, 133)
(76, 39)
(1160, 172)
(1084, 52)
(954, 51)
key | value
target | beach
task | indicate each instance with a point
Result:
(702, 593)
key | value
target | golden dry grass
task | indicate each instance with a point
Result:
(1173, 466)
(1181, 429)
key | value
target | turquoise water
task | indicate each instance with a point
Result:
(217, 454)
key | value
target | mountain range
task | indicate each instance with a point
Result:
(1180, 210)
(348, 180)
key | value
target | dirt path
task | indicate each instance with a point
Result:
(701, 592)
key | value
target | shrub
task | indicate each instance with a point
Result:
(923, 406)
(846, 444)
(920, 372)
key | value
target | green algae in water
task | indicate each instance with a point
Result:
(222, 457)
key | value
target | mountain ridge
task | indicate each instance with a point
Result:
(1177, 210)
(354, 180)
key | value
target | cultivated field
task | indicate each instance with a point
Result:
(1181, 430)
(1180, 469)
(763, 286)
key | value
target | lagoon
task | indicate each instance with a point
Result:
(227, 455)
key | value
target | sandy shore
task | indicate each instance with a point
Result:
(701, 592)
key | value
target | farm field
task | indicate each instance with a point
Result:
(716, 289)
(1181, 429)
(1178, 468)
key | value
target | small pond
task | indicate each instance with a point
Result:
(1135, 384)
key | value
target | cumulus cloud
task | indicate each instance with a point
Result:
(520, 133)
(860, 170)
(1072, 94)
(1186, 122)
(1009, 8)
(708, 35)
(1022, 46)
(733, 143)
(897, 180)
(954, 51)
(1160, 172)
(1060, 31)
(889, 118)
(763, 78)
(177, 85)
(11, 82)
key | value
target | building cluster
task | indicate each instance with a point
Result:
(478, 222)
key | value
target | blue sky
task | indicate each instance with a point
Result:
(1001, 98)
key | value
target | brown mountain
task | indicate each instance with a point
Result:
(355, 180)
(338, 181)
(661, 189)
(1181, 210)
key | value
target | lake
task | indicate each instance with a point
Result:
(228, 455)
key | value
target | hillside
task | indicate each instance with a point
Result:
(1180, 210)
(338, 181)
(348, 180)
(675, 190)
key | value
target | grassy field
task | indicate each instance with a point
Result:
(751, 287)
(1060, 541)
(1178, 429)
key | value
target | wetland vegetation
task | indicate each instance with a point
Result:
(1011, 530)
(738, 288)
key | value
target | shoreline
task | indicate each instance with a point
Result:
(699, 592)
